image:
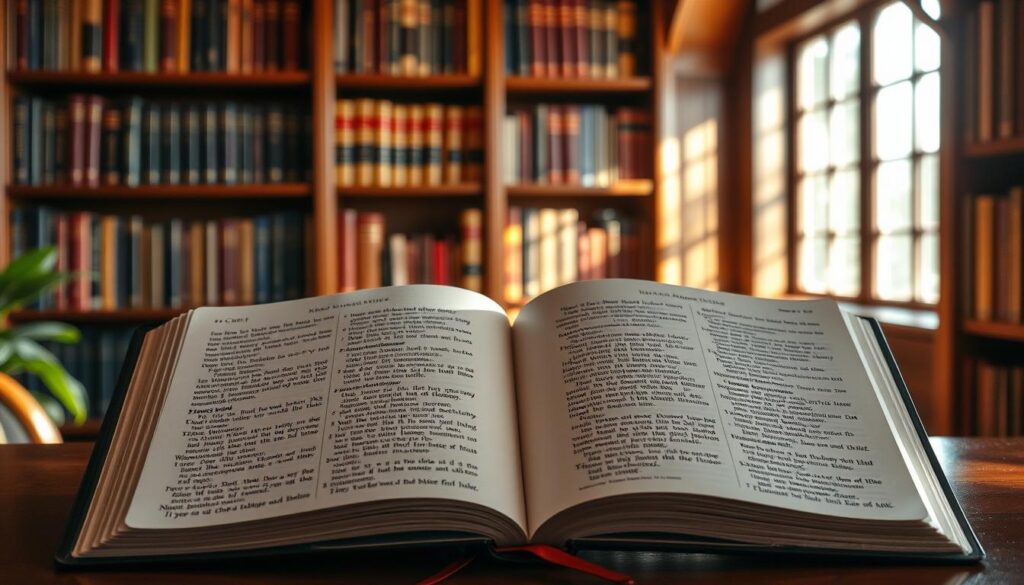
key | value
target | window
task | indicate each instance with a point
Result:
(865, 181)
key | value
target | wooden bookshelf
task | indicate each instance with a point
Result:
(996, 148)
(423, 191)
(320, 87)
(262, 191)
(995, 330)
(144, 81)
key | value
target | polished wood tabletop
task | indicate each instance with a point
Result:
(38, 483)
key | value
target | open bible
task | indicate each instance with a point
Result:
(616, 414)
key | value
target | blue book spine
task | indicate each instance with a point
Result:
(261, 255)
(587, 174)
(278, 250)
(35, 32)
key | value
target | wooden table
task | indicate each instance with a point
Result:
(37, 484)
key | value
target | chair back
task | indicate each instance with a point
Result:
(22, 417)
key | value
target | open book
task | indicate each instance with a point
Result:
(613, 414)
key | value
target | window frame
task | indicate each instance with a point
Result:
(867, 91)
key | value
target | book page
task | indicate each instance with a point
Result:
(629, 387)
(401, 392)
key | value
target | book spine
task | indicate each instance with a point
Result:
(567, 36)
(132, 142)
(531, 253)
(611, 40)
(345, 142)
(508, 17)
(400, 145)
(567, 255)
(275, 144)
(92, 36)
(364, 140)
(233, 36)
(111, 34)
(627, 38)
(472, 249)
(77, 107)
(173, 264)
(348, 258)
(151, 144)
(552, 49)
(433, 136)
(398, 258)
(93, 130)
(474, 143)
(416, 144)
(538, 38)
(474, 49)
(158, 266)
(370, 242)
(168, 36)
(80, 246)
(173, 151)
(383, 122)
(406, 29)
(454, 151)
(111, 139)
(246, 262)
(342, 48)
(94, 298)
(513, 255)
(986, 68)
(1006, 82)
(229, 133)
(583, 252)
(571, 144)
(151, 35)
(21, 137)
(271, 36)
(581, 18)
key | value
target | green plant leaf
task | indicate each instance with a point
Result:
(6, 351)
(28, 350)
(64, 387)
(46, 331)
(19, 292)
(29, 264)
(53, 408)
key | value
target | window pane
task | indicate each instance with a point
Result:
(893, 111)
(845, 64)
(892, 37)
(844, 267)
(928, 191)
(932, 8)
(844, 207)
(813, 192)
(928, 279)
(813, 146)
(926, 109)
(893, 197)
(813, 264)
(844, 133)
(927, 48)
(893, 267)
(811, 80)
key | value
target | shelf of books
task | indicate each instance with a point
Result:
(990, 203)
(457, 124)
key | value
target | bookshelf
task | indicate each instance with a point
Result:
(980, 164)
(318, 86)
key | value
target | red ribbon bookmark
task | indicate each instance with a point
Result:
(544, 552)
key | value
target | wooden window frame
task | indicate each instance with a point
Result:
(864, 16)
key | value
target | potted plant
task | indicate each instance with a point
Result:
(25, 279)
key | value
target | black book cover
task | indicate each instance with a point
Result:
(192, 153)
(216, 23)
(172, 144)
(152, 143)
(110, 138)
(198, 35)
(131, 139)
(229, 125)
(131, 36)
(210, 146)
(22, 139)
(275, 144)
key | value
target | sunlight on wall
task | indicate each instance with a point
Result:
(769, 139)
(688, 209)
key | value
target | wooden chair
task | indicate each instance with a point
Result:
(26, 413)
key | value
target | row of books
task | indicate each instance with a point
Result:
(408, 37)
(588, 145)
(385, 144)
(546, 248)
(571, 38)
(165, 36)
(88, 140)
(996, 408)
(995, 58)
(95, 361)
(370, 257)
(128, 262)
(996, 230)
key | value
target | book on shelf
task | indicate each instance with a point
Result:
(92, 141)
(995, 50)
(996, 256)
(616, 414)
(128, 262)
(586, 145)
(158, 36)
(546, 248)
(993, 400)
(408, 37)
(379, 143)
(586, 39)
(369, 256)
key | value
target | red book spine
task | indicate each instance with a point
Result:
(290, 34)
(272, 27)
(570, 142)
(60, 293)
(538, 44)
(76, 104)
(259, 11)
(459, 45)
(551, 36)
(93, 130)
(556, 160)
(21, 21)
(229, 263)
(582, 18)
(567, 34)
(441, 265)
(111, 27)
(169, 36)
(348, 257)
(81, 256)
